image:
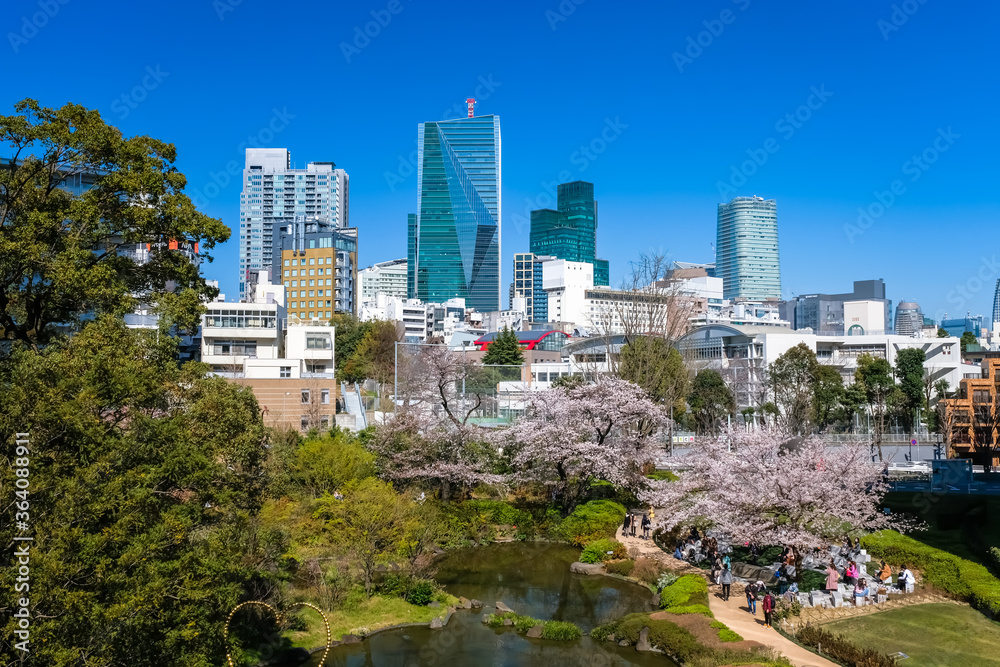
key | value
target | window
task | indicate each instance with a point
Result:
(285, 372)
(286, 274)
(304, 423)
(324, 396)
(319, 342)
(324, 421)
(312, 272)
(286, 264)
(312, 262)
(305, 396)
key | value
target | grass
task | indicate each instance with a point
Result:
(375, 613)
(951, 521)
(931, 634)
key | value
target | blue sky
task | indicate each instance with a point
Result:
(694, 97)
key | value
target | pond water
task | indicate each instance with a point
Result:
(532, 579)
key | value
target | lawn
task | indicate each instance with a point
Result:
(931, 634)
(373, 614)
(951, 521)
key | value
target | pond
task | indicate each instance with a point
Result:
(532, 579)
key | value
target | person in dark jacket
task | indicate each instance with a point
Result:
(626, 524)
(767, 604)
(645, 526)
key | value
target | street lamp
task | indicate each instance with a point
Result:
(284, 407)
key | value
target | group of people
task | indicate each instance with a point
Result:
(632, 522)
(862, 591)
(695, 549)
(754, 591)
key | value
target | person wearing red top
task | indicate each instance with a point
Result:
(768, 606)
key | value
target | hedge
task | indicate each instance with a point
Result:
(962, 578)
(592, 521)
(691, 589)
(598, 551)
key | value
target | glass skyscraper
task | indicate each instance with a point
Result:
(996, 304)
(453, 241)
(570, 232)
(746, 251)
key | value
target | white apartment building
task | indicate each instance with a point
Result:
(274, 194)
(387, 278)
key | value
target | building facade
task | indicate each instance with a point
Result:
(824, 313)
(529, 286)
(746, 251)
(453, 248)
(317, 263)
(274, 194)
(909, 319)
(571, 231)
(387, 278)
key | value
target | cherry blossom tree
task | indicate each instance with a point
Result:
(431, 438)
(768, 487)
(572, 437)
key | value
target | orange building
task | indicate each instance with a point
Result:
(971, 421)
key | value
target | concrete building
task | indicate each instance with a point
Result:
(746, 250)
(387, 278)
(865, 317)
(824, 313)
(318, 265)
(909, 319)
(274, 194)
(529, 285)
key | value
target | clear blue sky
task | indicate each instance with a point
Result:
(556, 73)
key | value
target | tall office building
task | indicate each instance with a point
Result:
(746, 250)
(824, 313)
(317, 262)
(996, 305)
(909, 319)
(274, 194)
(528, 284)
(570, 232)
(387, 278)
(453, 241)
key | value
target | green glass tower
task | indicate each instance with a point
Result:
(453, 241)
(571, 231)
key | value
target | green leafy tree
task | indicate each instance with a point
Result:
(569, 381)
(656, 366)
(792, 377)
(504, 350)
(910, 374)
(375, 354)
(941, 333)
(60, 253)
(348, 333)
(968, 338)
(828, 396)
(371, 522)
(145, 487)
(327, 464)
(710, 400)
(874, 376)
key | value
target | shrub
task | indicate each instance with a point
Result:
(718, 625)
(962, 578)
(727, 635)
(842, 650)
(504, 514)
(598, 551)
(784, 609)
(691, 589)
(560, 631)
(666, 579)
(622, 567)
(592, 521)
(646, 570)
(421, 593)
(691, 609)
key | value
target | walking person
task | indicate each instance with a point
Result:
(726, 580)
(832, 576)
(645, 526)
(716, 568)
(767, 604)
(751, 593)
(626, 524)
(633, 525)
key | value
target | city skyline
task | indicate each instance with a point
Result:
(662, 140)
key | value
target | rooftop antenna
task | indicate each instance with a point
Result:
(472, 106)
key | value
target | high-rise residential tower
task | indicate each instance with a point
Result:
(273, 196)
(528, 284)
(909, 319)
(570, 232)
(746, 251)
(453, 247)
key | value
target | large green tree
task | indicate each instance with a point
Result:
(656, 366)
(60, 252)
(968, 338)
(505, 350)
(910, 374)
(792, 377)
(874, 377)
(145, 484)
(711, 401)
(828, 397)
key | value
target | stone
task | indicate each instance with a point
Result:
(611, 637)
(754, 573)
(434, 605)
(804, 600)
(586, 568)
(476, 604)
(643, 644)
(508, 622)
(350, 639)
(535, 632)
(465, 602)
(502, 608)
(624, 642)
(436, 624)
(818, 598)
(838, 599)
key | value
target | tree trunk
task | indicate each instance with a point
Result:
(445, 490)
